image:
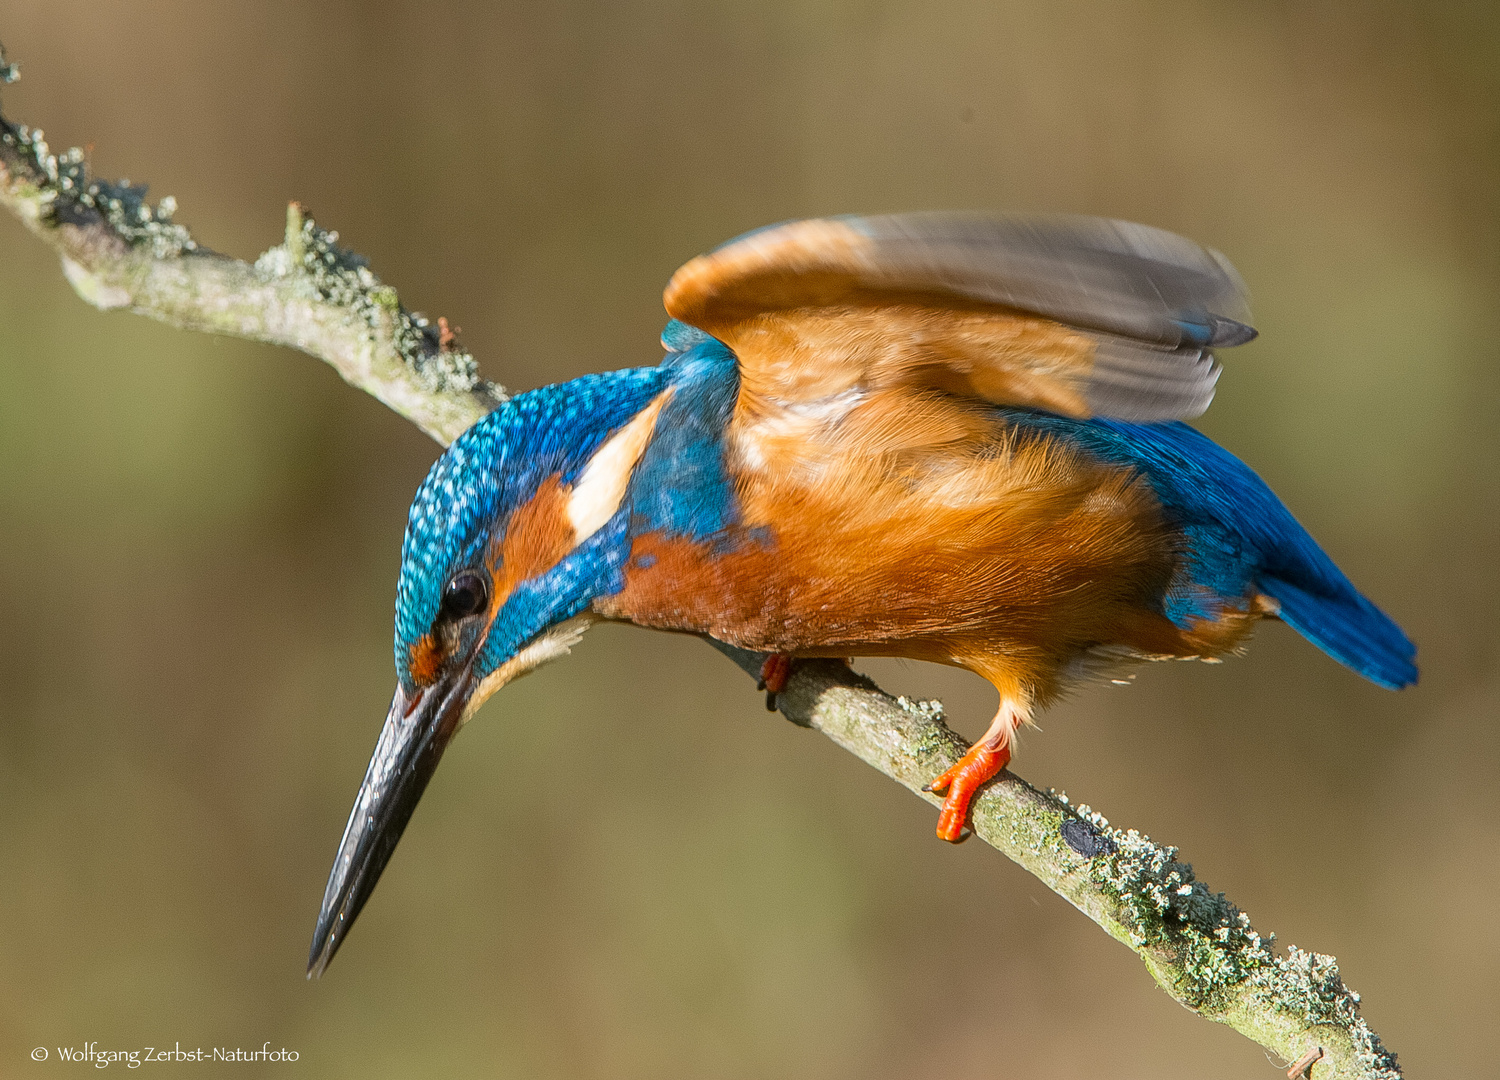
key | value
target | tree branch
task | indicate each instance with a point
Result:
(120, 252)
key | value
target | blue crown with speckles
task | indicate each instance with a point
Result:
(497, 465)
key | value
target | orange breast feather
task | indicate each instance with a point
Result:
(885, 508)
(919, 526)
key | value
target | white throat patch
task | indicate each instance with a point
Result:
(550, 644)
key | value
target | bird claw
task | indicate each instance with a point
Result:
(774, 673)
(979, 765)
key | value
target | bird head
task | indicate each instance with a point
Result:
(516, 529)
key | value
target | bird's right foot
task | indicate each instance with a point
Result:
(979, 765)
(963, 781)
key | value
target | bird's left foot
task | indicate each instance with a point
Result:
(982, 761)
(773, 676)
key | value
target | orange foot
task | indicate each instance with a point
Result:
(773, 676)
(983, 760)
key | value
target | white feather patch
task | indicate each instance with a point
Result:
(601, 486)
(550, 644)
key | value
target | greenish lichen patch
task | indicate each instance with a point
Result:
(929, 709)
(1165, 906)
(133, 219)
(61, 191)
(65, 194)
(57, 190)
(933, 736)
(1219, 959)
(311, 257)
(1198, 945)
(1307, 986)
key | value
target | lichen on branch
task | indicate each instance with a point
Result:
(310, 258)
(1199, 947)
(119, 251)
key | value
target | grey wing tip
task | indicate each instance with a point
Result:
(1228, 333)
(1095, 273)
(1147, 384)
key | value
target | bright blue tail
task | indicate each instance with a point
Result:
(1241, 534)
(1348, 628)
(1241, 537)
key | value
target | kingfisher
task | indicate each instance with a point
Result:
(950, 437)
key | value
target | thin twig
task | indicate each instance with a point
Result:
(120, 252)
(1303, 1064)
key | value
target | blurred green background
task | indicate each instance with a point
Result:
(626, 868)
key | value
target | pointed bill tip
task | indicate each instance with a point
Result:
(327, 937)
(324, 945)
(411, 744)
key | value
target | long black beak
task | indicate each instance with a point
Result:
(416, 733)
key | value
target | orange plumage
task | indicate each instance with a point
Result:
(885, 506)
(943, 437)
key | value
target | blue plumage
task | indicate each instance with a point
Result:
(681, 486)
(591, 570)
(1239, 537)
(488, 472)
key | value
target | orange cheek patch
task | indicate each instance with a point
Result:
(538, 536)
(425, 659)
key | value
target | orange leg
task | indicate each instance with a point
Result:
(982, 761)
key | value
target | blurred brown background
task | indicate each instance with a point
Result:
(199, 541)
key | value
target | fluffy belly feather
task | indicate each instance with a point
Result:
(1013, 558)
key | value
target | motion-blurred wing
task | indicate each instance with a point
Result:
(1076, 315)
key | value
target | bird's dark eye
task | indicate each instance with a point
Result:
(465, 595)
